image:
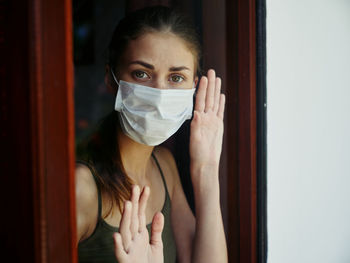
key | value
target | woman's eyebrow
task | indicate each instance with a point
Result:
(178, 68)
(142, 63)
(149, 66)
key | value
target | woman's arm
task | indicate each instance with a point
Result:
(205, 150)
(199, 239)
(209, 242)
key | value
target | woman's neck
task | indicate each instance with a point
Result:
(135, 157)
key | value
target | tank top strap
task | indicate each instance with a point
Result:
(93, 172)
(161, 173)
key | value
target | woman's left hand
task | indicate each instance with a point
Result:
(132, 243)
(207, 124)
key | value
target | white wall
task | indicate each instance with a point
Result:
(308, 96)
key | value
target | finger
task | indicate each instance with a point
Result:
(157, 229)
(209, 101)
(134, 225)
(119, 250)
(201, 93)
(221, 106)
(125, 225)
(217, 94)
(142, 208)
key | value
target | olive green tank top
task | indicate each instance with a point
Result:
(99, 247)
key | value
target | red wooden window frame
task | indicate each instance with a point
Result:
(51, 85)
(37, 112)
(36, 76)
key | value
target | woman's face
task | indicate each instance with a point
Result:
(158, 60)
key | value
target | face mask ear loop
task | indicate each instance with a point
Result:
(115, 79)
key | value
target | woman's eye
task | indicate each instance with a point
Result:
(177, 78)
(140, 74)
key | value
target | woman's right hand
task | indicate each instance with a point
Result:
(132, 243)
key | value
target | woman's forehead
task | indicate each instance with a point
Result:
(160, 50)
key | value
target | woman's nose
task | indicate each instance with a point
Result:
(161, 84)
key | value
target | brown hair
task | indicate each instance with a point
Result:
(103, 148)
(148, 20)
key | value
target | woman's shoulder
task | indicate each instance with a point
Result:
(86, 194)
(84, 182)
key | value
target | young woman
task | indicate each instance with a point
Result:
(130, 203)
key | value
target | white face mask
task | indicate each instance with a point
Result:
(150, 115)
